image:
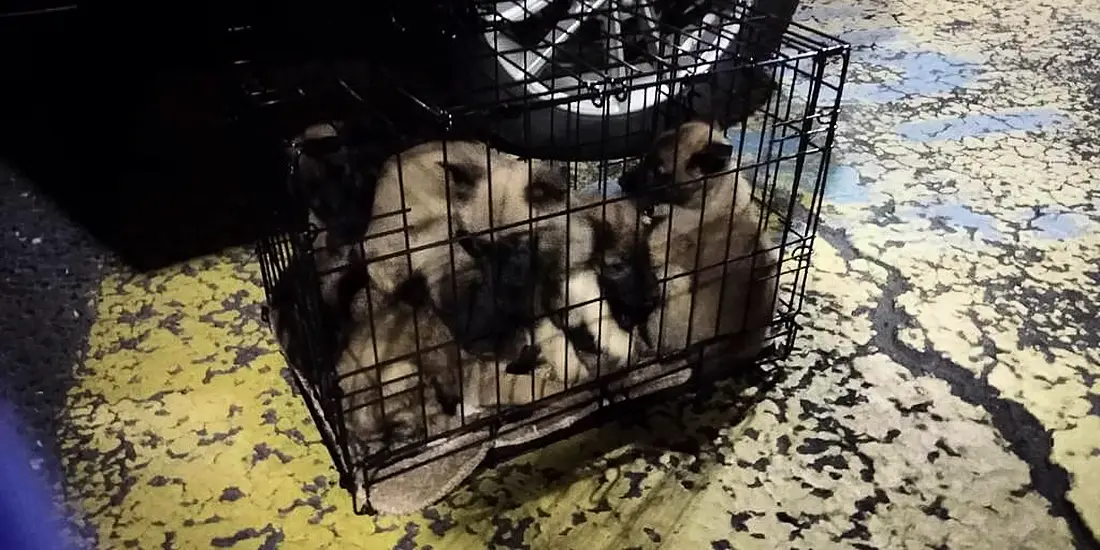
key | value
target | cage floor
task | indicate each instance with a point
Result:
(947, 392)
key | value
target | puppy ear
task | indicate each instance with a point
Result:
(470, 244)
(548, 186)
(711, 159)
(603, 236)
(633, 179)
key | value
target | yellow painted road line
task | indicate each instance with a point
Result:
(185, 432)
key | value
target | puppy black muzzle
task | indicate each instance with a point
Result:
(631, 294)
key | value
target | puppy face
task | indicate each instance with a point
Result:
(495, 295)
(326, 173)
(545, 182)
(624, 267)
(510, 267)
(549, 183)
(671, 172)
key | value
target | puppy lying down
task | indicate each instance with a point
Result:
(397, 404)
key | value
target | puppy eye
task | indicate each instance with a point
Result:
(615, 268)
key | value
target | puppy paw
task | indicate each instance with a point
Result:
(528, 361)
(617, 346)
(472, 411)
(608, 362)
(362, 448)
(403, 428)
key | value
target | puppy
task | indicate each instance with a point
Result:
(499, 299)
(392, 395)
(704, 239)
(607, 288)
(438, 190)
(336, 183)
(431, 192)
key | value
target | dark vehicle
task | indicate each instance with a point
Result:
(473, 51)
(535, 53)
(130, 111)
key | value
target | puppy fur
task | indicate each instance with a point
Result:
(439, 189)
(499, 299)
(337, 187)
(608, 292)
(704, 236)
(392, 395)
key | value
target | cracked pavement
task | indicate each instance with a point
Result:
(944, 393)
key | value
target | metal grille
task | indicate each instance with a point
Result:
(775, 112)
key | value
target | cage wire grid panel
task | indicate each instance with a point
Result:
(778, 144)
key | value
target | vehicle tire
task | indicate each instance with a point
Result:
(727, 95)
(555, 133)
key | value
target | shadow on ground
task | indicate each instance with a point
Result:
(153, 167)
(658, 428)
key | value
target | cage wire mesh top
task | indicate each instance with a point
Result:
(441, 298)
(604, 57)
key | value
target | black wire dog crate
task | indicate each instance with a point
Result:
(443, 293)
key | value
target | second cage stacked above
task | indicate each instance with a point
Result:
(447, 284)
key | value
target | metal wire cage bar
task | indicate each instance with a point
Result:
(376, 123)
(653, 53)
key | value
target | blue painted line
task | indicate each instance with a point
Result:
(915, 71)
(1061, 225)
(1057, 226)
(963, 218)
(842, 186)
(981, 124)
